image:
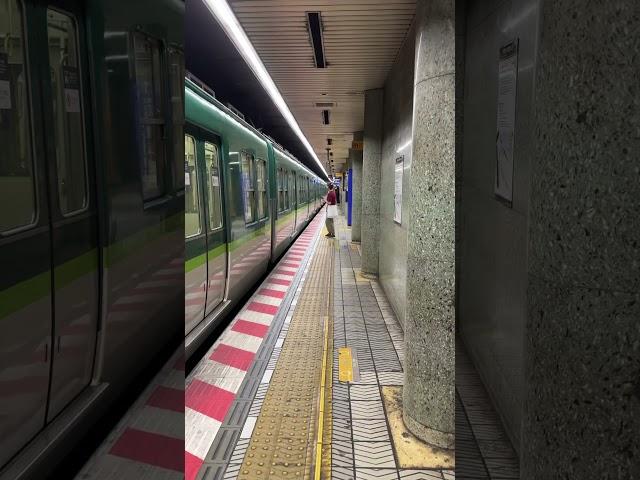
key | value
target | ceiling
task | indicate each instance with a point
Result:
(361, 41)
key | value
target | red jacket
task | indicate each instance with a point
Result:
(331, 197)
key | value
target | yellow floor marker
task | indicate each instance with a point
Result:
(345, 364)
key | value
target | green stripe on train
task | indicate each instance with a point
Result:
(200, 260)
(29, 291)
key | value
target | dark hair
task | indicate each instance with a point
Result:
(331, 186)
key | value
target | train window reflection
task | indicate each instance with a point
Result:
(191, 200)
(248, 181)
(212, 160)
(148, 75)
(282, 190)
(176, 84)
(66, 94)
(261, 168)
(17, 192)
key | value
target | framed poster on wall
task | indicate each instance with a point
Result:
(506, 120)
(397, 190)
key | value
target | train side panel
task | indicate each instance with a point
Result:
(246, 185)
(286, 212)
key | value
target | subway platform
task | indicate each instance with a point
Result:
(306, 380)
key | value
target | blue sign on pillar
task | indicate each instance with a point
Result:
(349, 194)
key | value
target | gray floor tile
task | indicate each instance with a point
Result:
(367, 410)
(368, 430)
(376, 474)
(364, 392)
(374, 455)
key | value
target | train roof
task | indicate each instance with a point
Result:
(200, 91)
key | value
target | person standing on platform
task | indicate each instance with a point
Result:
(332, 211)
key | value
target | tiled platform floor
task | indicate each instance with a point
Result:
(363, 320)
(361, 445)
(482, 448)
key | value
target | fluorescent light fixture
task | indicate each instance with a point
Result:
(314, 24)
(225, 17)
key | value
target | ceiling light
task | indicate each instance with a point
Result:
(314, 23)
(225, 17)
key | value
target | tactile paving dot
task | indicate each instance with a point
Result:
(285, 433)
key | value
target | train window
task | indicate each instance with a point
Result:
(247, 168)
(261, 170)
(148, 75)
(212, 160)
(280, 190)
(285, 190)
(176, 86)
(192, 199)
(292, 184)
(17, 188)
(66, 94)
(301, 197)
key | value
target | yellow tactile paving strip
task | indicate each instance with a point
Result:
(283, 441)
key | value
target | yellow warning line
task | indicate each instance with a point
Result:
(319, 437)
(323, 382)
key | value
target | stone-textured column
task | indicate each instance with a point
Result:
(429, 382)
(356, 197)
(371, 157)
(581, 413)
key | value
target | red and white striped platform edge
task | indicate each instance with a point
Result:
(147, 442)
(213, 384)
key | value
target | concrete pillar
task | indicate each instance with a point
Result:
(582, 338)
(356, 165)
(371, 157)
(429, 381)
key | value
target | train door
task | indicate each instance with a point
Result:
(294, 200)
(195, 268)
(72, 197)
(216, 237)
(25, 238)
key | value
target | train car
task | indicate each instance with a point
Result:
(246, 199)
(91, 213)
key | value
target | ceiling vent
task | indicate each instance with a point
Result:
(325, 104)
(325, 117)
(314, 23)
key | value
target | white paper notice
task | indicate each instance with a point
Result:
(187, 179)
(397, 191)
(506, 108)
(5, 95)
(72, 100)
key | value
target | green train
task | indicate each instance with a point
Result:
(91, 213)
(246, 199)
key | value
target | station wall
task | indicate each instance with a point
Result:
(396, 142)
(492, 249)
